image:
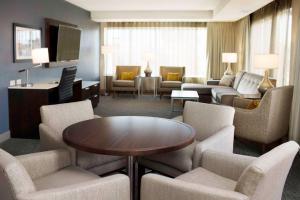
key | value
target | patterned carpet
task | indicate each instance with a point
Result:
(149, 106)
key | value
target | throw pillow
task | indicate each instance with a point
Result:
(253, 104)
(173, 77)
(227, 80)
(127, 76)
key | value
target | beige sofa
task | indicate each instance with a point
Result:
(166, 86)
(245, 85)
(119, 85)
(223, 176)
(267, 123)
(50, 176)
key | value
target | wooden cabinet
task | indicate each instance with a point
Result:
(25, 103)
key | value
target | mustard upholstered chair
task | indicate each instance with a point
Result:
(126, 83)
(225, 176)
(166, 85)
(50, 175)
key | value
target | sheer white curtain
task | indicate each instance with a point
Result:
(162, 46)
(272, 34)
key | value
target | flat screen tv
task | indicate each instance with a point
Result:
(68, 43)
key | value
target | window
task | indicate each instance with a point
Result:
(162, 46)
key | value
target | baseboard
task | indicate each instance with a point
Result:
(4, 136)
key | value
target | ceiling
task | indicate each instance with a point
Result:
(169, 10)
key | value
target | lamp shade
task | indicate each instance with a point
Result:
(40, 56)
(105, 50)
(266, 61)
(229, 57)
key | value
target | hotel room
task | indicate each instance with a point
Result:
(149, 100)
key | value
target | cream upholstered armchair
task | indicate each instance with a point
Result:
(223, 176)
(165, 85)
(55, 118)
(122, 82)
(50, 176)
(214, 130)
(267, 123)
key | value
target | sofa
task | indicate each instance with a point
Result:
(166, 86)
(244, 85)
(128, 85)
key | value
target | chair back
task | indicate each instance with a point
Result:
(275, 107)
(265, 177)
(164, 70)
(136, 70)
(14, 179)
(60, 116)
(65, 87)
(207, 119)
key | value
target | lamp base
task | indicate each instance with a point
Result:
(265, 83)
(228, 70)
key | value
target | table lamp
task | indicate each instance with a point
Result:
(39, 57)
(148, 58)
(229, 58)
(266, 62)
(106, 50)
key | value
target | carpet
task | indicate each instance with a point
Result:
(128, 105)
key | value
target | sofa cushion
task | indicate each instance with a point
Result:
(65, 177)
(227, 80)
(171, 84)
(237, 79)
(123, 83)
(205, 177)
(180, 159)
(87, 160)
(248, 85)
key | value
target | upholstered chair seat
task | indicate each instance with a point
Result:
(224, 176)
(218, 135)
(50, 175)
(55, 118)
(127, 85)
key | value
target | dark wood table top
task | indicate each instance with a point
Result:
(129, 135)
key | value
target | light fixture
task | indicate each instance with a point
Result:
(229, 58)
(39, 57)
(266, 62)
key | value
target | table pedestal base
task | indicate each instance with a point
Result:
(132, 170)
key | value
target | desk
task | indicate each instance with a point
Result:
(129, 136)
(25, 103)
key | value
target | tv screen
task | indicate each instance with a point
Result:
(68, 43)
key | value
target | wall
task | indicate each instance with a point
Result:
(33, 12)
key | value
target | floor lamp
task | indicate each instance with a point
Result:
(106, 51)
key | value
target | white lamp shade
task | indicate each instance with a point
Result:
(229, 57)
(105, 50)
(266, 61)
(40, 56)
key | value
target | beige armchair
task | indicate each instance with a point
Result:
(267, 123)
(50, 176)
(55, 118)
(223, 176)
(126, 85)
(214, 130)
(166, 86)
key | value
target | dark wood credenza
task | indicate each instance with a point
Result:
(25, 103)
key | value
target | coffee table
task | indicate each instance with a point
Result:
(129, 136)
(183, 95)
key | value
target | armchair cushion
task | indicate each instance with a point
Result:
(165, 70)
(123, 83)
(127, 76)
(205, 177)
(64, 177)
(135, 70)
(171, 84)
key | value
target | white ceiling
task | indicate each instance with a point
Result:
(169, 10)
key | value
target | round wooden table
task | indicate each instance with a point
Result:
(129, 136)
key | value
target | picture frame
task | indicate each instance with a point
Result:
(25, 38)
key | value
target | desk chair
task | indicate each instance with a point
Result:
(65, 87)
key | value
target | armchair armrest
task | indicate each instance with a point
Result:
(50, 140)
(156, 187)
(213, 82)
(225, 164)
(220, 141)
(43, 163)
(114, 187)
